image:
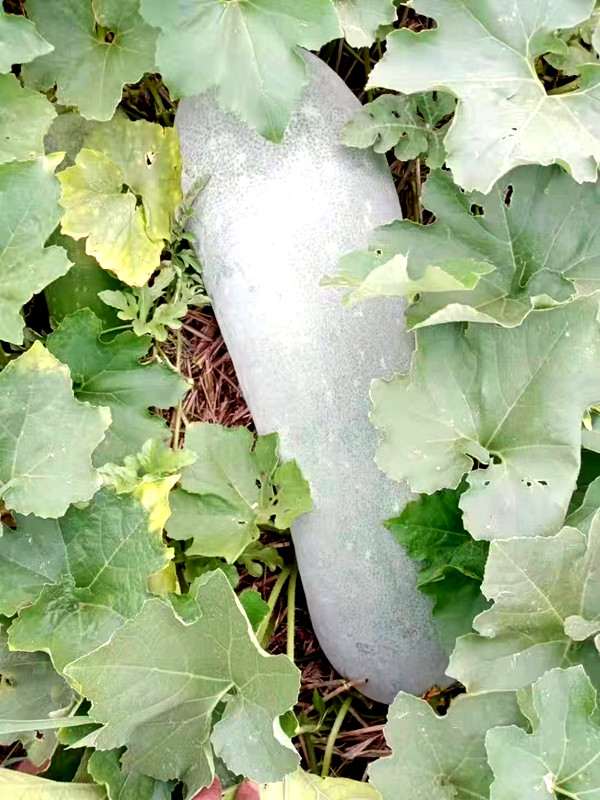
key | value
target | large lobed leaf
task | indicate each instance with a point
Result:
(361, 20)
(485, 53)
(29, 212)
(47, 437)
(532, 242)
(559, 758)
(546, 612)
(98, 47)
(106, 552)
(441, 758)
(234, 486)
(110, 374)
(512, 400)
(246, 51)
(159, 700)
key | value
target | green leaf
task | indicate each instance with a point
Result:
(559, 758)
(110, 548)
(155, 460)
(159, 701)
(150, 161)
(440, 758)
(29, 212)
(255, 607)
(115, 226)
(470, 395)
(105, 769)
(536, 231)
(110, 374)
(485, 54)
(255, 555)
(233, 487)
(415, 126)
(19, 41)
(80, 287)
(47, 437)
(452, 563)
(304, 786)
(25, 116)
(20, 786)
(247, 51)
(546, 611)
(99, 46)
(360, 20)
(30, 689)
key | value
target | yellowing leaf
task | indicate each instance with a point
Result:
(20, 786)
(304, 786)
(115, 226)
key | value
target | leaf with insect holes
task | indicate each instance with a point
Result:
(439, 758)
(546, 612)
(159, 701)
(559, 757)
(150, 161)
(360, 20)
(47, 437)
(30, 689)
(302, 785)
(452, 563)
(21, 786)
(414, 125)
(246, 51)
(105, 768)
(469, 397)
(536, 232)
(29, 212)
(110, 374)
(19, 41)
(99, 46)
(234, 486)
(25, 116)
(110, 549)
(96, 206)
(485, 54)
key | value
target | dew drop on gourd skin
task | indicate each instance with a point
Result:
(270, 221)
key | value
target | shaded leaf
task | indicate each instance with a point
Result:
(159, 701)
(414, 125)
(110, 374)
(24, 119)
(110, 548)
(255, 607)
(535, 231)
(105, 768)
(47, 437)
(452, 563)
(486, 55)
(559, 758)
(546, 593)
(247, 51)
(29, 212)
(108, 42)
(469, 396)
(439, 758)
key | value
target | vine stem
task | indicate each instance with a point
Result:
(291, 612)
(333, 734)
(262, 632)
